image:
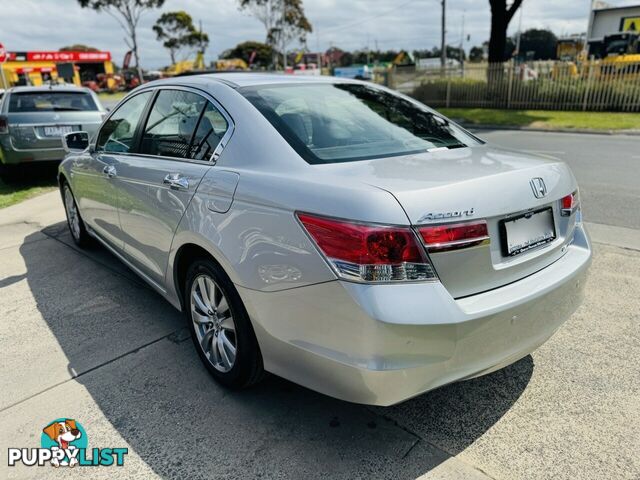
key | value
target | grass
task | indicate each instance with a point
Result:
(28, 181)
(15, 192)
(546, 119)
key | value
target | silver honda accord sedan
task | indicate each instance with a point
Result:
(330, 231)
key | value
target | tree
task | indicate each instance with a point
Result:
(127, 13)
(178, 32)
(78, 47)
(283, 21)
(452, 52)
(501, 15)
(479, 52)
(476, 54)
(538, 44)
(244, 50)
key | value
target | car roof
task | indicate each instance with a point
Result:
(49, 88)
(250, 79)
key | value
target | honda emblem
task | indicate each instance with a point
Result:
(538, 187)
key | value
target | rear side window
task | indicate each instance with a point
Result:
(51, 101)
(211, 129)
(182, 125)
(118, 133)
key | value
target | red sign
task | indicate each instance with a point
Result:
(69, 56)
(62, 56)
(3, 54)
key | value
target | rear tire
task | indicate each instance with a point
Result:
(75, 223)
(220, 327)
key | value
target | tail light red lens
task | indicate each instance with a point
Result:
(570, 204)
(441, 238)
(4, 125)
(369, 253)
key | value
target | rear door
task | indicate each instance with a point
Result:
(155, 186)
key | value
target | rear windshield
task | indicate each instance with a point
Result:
(51, 102)
(329, 123)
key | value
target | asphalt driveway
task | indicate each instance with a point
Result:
(82, 337)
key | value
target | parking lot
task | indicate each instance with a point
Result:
(83, 337)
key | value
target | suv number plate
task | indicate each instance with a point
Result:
(57, 131)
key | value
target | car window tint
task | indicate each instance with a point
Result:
(117, 134)
(51, 101)
(211, 129)
(174, 118)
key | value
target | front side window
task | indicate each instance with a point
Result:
(118, 133)
(327, 123)
(51, 101)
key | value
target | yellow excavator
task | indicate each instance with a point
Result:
(621, 48)
(186, 66)
(621, 55)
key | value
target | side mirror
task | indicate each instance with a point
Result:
(75, 142)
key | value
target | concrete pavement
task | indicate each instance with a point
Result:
(83, 337)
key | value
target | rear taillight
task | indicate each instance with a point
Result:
(570, 204)
(4, 125)
(369, 253)
(442, 238)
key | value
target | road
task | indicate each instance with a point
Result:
(83, 337)
(607, 168)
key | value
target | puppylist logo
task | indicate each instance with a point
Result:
(64, 443)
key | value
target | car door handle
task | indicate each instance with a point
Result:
(110, 171)
(176, 181)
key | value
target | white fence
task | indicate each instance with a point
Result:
(594, 86)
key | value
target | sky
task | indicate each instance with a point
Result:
(347, 24)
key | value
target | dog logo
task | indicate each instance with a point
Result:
(66, 435)
(64, 443)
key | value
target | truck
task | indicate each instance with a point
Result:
(362, 72)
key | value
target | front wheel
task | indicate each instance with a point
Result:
(220, 326)
(74, 220)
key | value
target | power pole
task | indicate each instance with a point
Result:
(284, 41)
(519, 31)
(443, 53)
(319, 57)
(462, 37)
(464, 12)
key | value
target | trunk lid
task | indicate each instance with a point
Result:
(44, 130)
(476, 183)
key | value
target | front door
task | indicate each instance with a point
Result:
(156, 185)
(94, 175)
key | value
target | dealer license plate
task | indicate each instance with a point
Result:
(57, 131)
(527, 231)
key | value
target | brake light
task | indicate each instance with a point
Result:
(4, 125)
(570, 204)
(369, 253)
(442, 238)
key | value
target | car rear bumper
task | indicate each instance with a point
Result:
(12, 156)
(382, 344)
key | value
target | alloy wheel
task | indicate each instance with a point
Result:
(72, 213)
(213, 323)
